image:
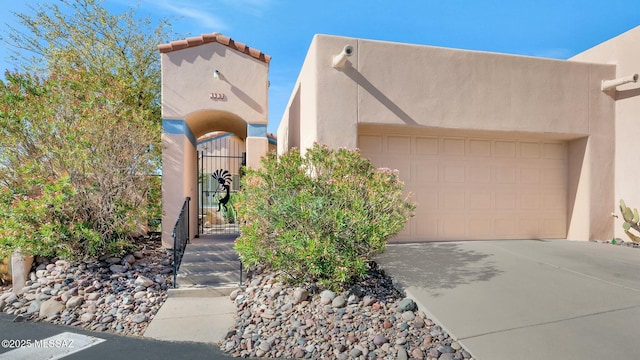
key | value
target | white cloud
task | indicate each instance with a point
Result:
(193, 11)
(207, 15)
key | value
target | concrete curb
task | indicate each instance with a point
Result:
(201, 292)
(421, 307)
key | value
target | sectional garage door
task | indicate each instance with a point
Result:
(476, 187)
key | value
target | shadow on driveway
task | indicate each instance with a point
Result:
(436, 266)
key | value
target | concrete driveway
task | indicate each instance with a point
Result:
(526, 299)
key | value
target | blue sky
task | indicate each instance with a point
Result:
(284, 28)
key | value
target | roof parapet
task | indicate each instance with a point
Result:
(214, 37)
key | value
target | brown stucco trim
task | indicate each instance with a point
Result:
(215, 37)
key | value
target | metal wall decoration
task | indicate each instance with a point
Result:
(224, 179)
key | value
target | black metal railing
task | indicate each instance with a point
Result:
(180, 237)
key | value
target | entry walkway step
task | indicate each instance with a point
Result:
(210, 262)
(199, 309)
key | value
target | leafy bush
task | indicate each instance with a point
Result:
(319, 217)
(74, 165)
(79, 140)
(33, 216)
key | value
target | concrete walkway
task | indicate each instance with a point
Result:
(200, 310)
(526, 299)
(197, 316)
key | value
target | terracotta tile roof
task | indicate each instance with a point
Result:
(215, 37)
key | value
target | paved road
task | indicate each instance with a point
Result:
(72, 343)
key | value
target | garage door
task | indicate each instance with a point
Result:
(476, 187)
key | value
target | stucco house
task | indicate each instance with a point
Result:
(492, 146)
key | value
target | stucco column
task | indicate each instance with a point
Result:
(257, 144)
(592, 168)
(179, 178)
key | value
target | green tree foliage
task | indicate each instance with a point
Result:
(75, 155)
(81, 34)
(319, 217)
(80, 129)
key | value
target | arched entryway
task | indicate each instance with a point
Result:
(221, 153)
(221, 160)
(210, 84)
(181, 176)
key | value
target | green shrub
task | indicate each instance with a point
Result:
(80, 129)
(75, 165)
(319, 217)
(35, 217)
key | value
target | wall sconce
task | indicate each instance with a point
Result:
(216, 74)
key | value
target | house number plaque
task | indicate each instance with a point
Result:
(216, 96)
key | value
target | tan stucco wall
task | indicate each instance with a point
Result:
(591, 218)
(298, 129)
(419, 85)
(623, 52)
(20, 269)
(188, 81)
(179, 162)
(403, 84)
(257, 147)
(289, 128)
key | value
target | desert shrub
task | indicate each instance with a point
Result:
(80, 126)
(35, 217)
(75, 165)
(319, 217)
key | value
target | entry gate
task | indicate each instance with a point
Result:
(220, 166)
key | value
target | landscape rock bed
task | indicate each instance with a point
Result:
(114, 294)
(371, 320)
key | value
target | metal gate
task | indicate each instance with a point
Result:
(220, 167)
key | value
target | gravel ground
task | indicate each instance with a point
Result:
(114, 294)
(370, 320)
